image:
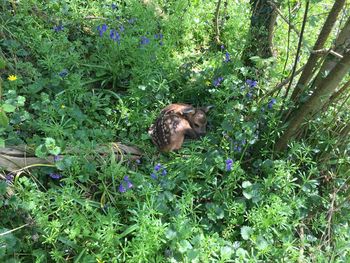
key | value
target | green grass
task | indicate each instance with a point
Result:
(77, 89)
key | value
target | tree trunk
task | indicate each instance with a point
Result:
(262, 23)
(342, 43)
(315, 101)
(306, 75)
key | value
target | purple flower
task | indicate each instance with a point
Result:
(222, 47)
(251, 83)
(157, 167)
(114, 6)
(144, 40)
(227, 57)
(138, 161)
(164, 172)
(271, 103)
(158, 36)
(154, 176)
(55, 176)
(237, 148)
(102, 29)
(121, 188)
(121, 28)
(56, 158)
(58, 28)
(63, 73)
(127, 181)
(229, 163)
(218, 81)
(9, 178)
(114, 35)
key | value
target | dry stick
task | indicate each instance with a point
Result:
(301, 252)
(298, 52)
(217, 30)
(13, 230)
(321, 40)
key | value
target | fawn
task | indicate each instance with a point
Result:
(177, 121)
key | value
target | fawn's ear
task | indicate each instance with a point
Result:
(207, 108)
(189, 110)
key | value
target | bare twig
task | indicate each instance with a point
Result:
(327, 51)
(291, 26)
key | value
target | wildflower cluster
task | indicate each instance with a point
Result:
(125, 184)
(158, 170)
(229, 163)
(58, 28)
(251, 85)
(271, 103)
(55, 176)
(218, 81)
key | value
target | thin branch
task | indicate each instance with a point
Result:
(216, 23)
(291, 26)
(282, 83)
(13, 230)
(326, 51)
(298, 49)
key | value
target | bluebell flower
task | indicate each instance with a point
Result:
(121, 28)
(56, 158)
(114, 35)
(102, 29)
(158, 36)
(121, 188)
(229, 163)
(157, 167)
(227, 57)
(271, 103)
(164, 172)
(9, 178)
(58, 28)
(55, 176)
(154, 176)
(222, 47)
(114, 6)
(243, 142)
(251, 83)
(218, 81)
(144, 40)
(63, 73)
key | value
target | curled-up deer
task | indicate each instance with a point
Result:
(175, 122)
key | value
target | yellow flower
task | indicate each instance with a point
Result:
(12, 77)
(208, 83)
(63, 106)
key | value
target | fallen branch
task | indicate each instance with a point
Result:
(22, 157)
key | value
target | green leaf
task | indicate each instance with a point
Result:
(246, 231)
(246, 184)
(8, 107)
(184, 245)
(40, 151)
(170, 234)
(3, 187)
(4, 120)
(261, 243)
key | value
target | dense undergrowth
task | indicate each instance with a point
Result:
(85, 73)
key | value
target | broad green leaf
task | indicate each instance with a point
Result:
(246, 231)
